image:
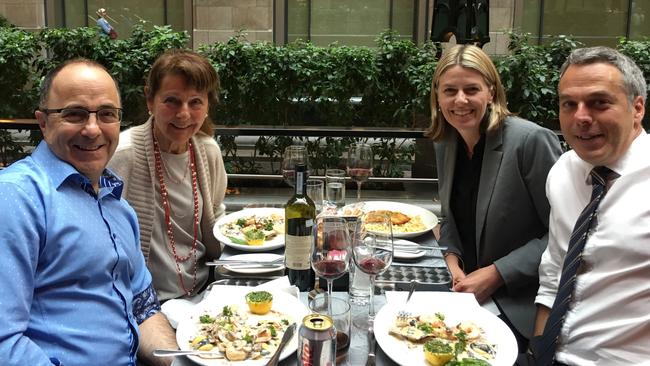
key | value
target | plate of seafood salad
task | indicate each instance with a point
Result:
(252, 229)
(425, 333)
(244, 331)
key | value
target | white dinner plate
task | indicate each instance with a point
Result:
(189, 326)
(259, 257)
(429, 219)
(496, 331)
(411, 254)
(275, 243)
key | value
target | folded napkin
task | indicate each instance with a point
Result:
(459, 299)
(277, 285)
(176, 309)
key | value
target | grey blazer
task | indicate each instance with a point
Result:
(512, 210)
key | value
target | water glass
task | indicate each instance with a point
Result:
(341, 317)
(315, 191)
(335, 188)
(359, 290)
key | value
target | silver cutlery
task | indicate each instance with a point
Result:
(178, 352)
(412, 287)
(285, 339)
(418, 248)
(238, 263)
(371, 344)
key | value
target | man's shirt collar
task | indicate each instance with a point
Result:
(60, 171)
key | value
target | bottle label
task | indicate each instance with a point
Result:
(297, 251)
(300, 181)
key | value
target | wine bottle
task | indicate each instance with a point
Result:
(299, 217)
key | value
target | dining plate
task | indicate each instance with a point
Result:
(403, 353)
(274, 243)
(429, 219)
(188, 327)
(260, 257)
(412, 253)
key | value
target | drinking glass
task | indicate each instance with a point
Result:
(360, 161)
(294, 154)
(335, 187)
(372, 249)
(331, 252)
(315, 191)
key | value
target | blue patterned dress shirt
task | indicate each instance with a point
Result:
(75, 284)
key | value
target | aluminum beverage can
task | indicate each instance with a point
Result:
(317, 341)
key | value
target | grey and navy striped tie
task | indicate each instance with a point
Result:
(545, 348)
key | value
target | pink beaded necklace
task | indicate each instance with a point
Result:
(165, 201)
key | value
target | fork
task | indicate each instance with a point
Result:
(406, 248)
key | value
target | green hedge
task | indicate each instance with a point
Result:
(296, 84)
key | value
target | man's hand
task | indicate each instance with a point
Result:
(155, 332)
(482, 283)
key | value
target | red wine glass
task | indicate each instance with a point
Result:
(331, 252)
(294, 154)
(359, 165)
(372, 249)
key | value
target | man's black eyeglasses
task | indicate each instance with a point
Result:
(81, 115)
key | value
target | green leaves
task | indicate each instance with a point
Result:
(530, 74)
(128, 60)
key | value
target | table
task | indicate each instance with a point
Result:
(430, 270)
(358, 350)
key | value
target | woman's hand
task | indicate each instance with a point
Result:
(457, 273)
(482, 283)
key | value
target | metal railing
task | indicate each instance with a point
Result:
(292, 131)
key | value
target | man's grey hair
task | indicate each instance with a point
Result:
(633, 80)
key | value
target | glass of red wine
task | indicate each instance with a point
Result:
(372, 249)
(331, 252)
(360, 161)
(294, 154)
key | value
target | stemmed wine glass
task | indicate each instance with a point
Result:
(294, 154)
(372, 249)
(331, 252)
(360, 161)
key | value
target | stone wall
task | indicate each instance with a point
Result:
(218, 20)
(27, 14)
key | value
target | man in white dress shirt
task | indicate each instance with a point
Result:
(602, 97)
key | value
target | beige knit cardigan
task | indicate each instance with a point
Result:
(134, 163)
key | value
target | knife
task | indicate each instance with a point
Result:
(371, 344)
(225, 262)
(285, 339)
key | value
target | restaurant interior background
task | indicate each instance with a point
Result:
(349, 23)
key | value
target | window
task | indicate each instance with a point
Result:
(356, 22)
(593, 22)
(122, 14)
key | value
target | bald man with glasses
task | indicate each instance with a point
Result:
(76, 288)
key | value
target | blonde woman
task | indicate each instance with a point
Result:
(492, 169)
